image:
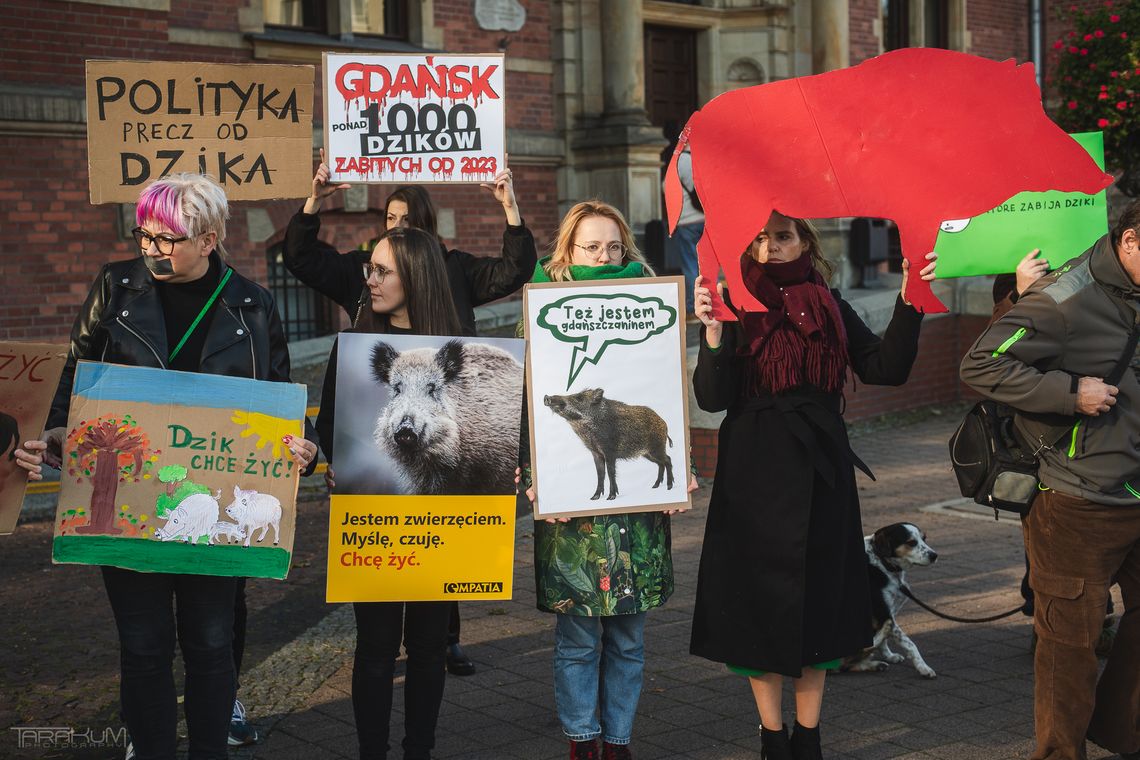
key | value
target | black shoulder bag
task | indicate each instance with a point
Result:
(993, 465)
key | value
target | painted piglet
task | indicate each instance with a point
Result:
(254, 510)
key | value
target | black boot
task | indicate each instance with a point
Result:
(805, 743)
(458, 663)
(774, 745)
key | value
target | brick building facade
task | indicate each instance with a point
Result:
(589, 83)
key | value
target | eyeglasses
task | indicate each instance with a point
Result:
(378, 270)
(164, 243)
(594, 250)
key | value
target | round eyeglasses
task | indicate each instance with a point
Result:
(164, 243)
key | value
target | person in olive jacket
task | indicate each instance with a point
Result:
(473, 280)
(178, 306)
(783, 587)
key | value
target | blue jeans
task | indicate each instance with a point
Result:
(585, 648)
(686, 237)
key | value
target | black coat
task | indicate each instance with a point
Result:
(474, 280)
(121, 322)
(783, 576)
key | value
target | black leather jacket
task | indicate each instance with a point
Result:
(121, 322)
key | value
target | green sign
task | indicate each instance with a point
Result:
(1062, 225)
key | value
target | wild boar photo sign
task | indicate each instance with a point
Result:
(29, 373)
(178, 472)
(425, 447)
(607, 398)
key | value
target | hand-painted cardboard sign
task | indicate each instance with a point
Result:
(917, 135)
(425, 450)
(1062, 225)
(248, 125)
(607, 398)
(414, 118)
(29, 373)
(178, 472)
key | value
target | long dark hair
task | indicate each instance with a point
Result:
(423, 274)
(421, 211)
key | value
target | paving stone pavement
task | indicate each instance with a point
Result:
(979, 706)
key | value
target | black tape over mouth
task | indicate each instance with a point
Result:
(158, 266)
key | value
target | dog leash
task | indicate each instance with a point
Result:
(910, 595)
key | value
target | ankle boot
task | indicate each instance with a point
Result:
(805, 743)
(587, 750)
(616, 752)
(774, 745)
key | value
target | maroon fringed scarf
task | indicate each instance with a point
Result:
(800, 340)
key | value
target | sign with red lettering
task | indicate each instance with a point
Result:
(414, 118)
(29, 373)
(248, 125)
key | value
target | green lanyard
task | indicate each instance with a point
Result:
(202, 313)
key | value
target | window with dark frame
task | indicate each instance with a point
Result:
(896, 24)
(371, 18)
(304, 312)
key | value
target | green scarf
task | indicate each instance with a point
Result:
(578, 273)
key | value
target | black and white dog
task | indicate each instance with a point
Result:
(891, 551)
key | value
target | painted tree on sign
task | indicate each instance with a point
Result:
(108, 451)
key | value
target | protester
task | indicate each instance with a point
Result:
(474, 280)
(598, 637)
(690, 226)
(229, 325)
(407, 295)
(1047, 358)
(783, 589)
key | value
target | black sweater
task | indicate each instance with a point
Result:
(475, 280)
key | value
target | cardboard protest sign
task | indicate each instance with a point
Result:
(917, 135)
(29, 373)
(178, 472)
(1062, 225)
(425, 448)
(414, 118)
(606, 391)
(248, 125)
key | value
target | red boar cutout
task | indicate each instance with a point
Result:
(915, 135)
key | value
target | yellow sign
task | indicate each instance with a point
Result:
(420, 548)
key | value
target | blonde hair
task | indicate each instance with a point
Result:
(189, 204)
(809, 235)
(562, 250)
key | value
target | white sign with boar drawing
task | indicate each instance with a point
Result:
(606, 395)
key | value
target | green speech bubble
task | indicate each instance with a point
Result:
(595, 322)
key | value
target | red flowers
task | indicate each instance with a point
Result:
(1114, 18)
(1098, 33)
(1072, 105)
(1122, 106)
(1102, 96)
(604, 583)
(1102, 123)
(1073, 50)
(1058, 44)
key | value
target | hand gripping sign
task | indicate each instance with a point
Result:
(414, 119)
